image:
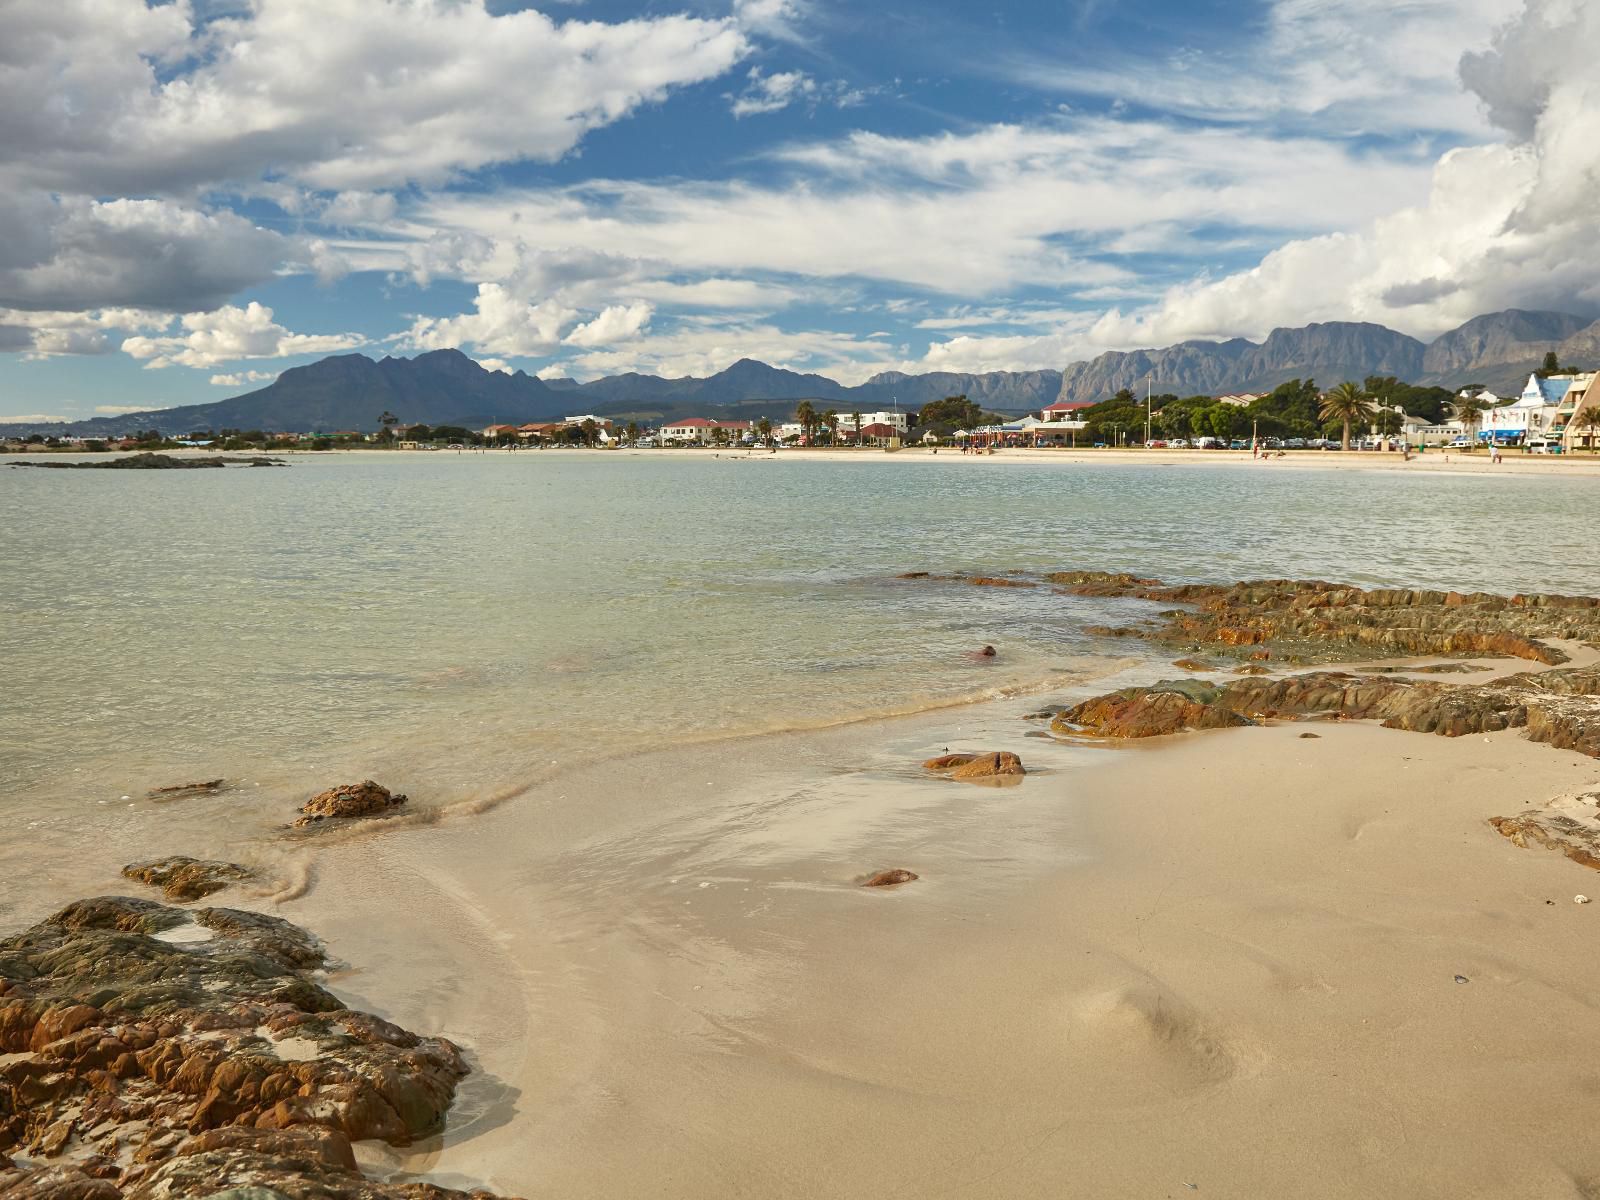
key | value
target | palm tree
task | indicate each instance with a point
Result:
(831, 420)
(855, 420)
(806, 415)
(1469, 408)
(1589, 419)
(1346, 403)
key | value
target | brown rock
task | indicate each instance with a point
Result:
(990, 764)
(1570, 824)
(889, 878)
(127, 1043)
(365, 799)
(182, 878)
(1252, 669)
(1192, 664)
(992, 581)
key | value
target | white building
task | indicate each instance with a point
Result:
(1571, 424)
(847, 421)
(701, 431)
(1528, 417)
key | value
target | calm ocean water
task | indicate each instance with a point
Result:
(468, 621)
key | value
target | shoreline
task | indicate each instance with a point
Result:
(1434, 462)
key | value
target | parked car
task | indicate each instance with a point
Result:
(1158, 444)
(1238, 444)
(1295, 444)
(1179, 443)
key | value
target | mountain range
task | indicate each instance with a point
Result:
(445, 387)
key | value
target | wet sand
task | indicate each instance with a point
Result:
(1225, 963)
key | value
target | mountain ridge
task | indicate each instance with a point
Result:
(447, 387)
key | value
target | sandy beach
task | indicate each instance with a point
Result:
(1224, 963)
(1434, 461)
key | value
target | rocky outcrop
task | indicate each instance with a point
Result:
(991, 764)
(182, 878)
(349, 800)
(155, 462)
(1302, 621)
(134, 1036)
(1561, 707)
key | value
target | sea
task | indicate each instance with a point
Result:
(462, 625)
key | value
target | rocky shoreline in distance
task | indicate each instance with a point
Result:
(158, 462)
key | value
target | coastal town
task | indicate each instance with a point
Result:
(1556, 412)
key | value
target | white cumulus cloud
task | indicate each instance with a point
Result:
(209, 339)
(618, 323)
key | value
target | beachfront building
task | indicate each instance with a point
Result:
(880, 433)
(702, 431)
(1574, 425)
(1240, 399)
(1526, 419)
(493, 433)
(896, 420)
(1067, 413)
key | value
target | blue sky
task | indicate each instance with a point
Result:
(205, 192)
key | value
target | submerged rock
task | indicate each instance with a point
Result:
(182, 878)
(180, 791)
(364, 799)
(890, 878)
(991, 764)
(169, 1068)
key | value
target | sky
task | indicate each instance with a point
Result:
(198, 194)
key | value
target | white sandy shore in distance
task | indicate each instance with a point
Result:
(1224, 964)
(1432, 462)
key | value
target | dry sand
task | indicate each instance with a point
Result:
(1221, 965)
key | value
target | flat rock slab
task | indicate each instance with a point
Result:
(182, 878)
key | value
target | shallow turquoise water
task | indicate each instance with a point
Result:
(470, 618)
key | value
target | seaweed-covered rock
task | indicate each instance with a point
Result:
(364, 799)
(1313, 621)
(182, 878)
(134, 1025)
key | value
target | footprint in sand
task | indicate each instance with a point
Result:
(1137, 1045)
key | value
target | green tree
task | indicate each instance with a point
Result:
(1387, 422)
(831, 420)
(1552, 365)
(1346, 404)
(591, 431)
(764, 428)
(953, 412)
(1589, 419)
(633, 431)
(855, 423)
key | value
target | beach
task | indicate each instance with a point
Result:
(1241, 962)
(1229, 961)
